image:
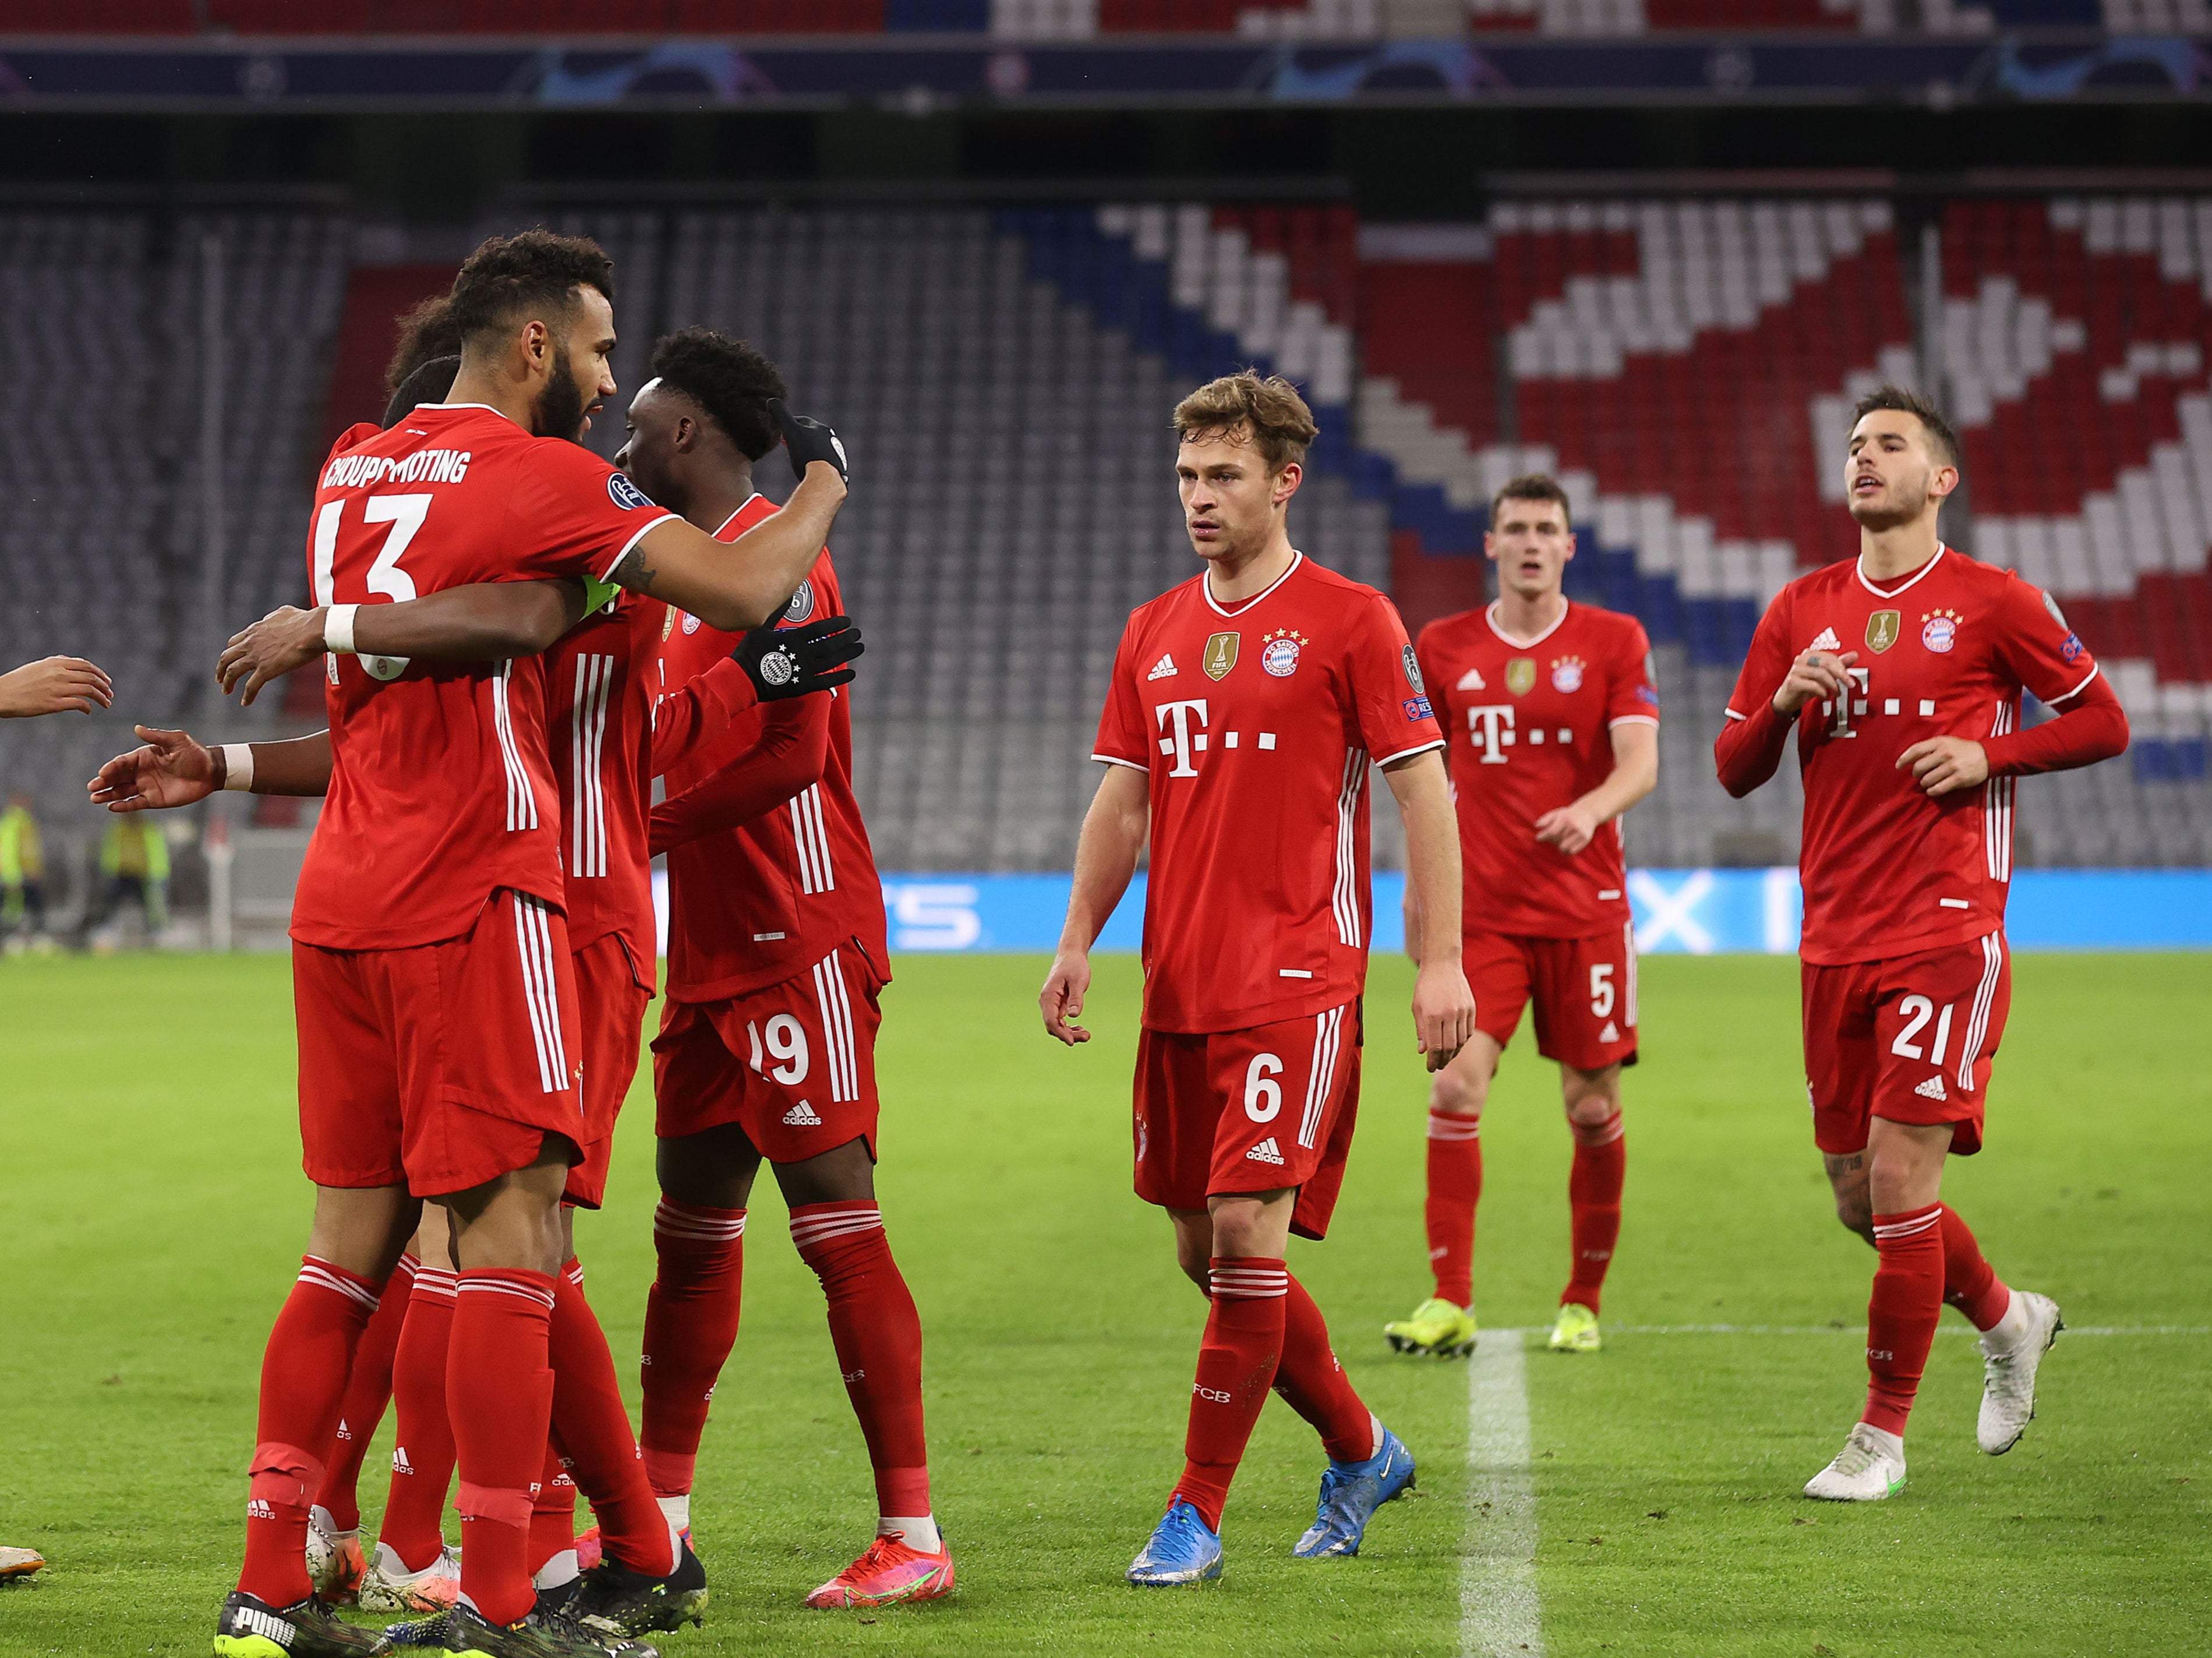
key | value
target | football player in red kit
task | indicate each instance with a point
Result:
(432, 893)
(1553, 721)
(777, 953)
(1900, 673)
(1245, 708)
(602, 730)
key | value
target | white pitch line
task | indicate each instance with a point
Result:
(1859, 1329)
(1500, 1615)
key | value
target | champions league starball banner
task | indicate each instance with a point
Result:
(1695, 912)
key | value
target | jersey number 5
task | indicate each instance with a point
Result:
(404, 514)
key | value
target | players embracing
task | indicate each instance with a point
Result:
(1245, 708)
(1900, 674)
(1551, 715)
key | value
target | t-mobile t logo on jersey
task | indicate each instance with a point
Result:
(1490, 728)
(1183, 741)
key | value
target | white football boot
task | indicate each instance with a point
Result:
(1869, 1467)
(388, 1586)
(2009, 1375)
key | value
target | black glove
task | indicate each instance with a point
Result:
(807, 440)
(785, 662)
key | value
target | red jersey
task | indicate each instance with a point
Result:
(441, 787)
(600, 696)
(1529, 724)
(1945, 652)
(1257, 722)
(751, 905)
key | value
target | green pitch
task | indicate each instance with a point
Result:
(153, 1214)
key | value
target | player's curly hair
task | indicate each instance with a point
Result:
(425, 330)
(534, 270)
(730, 380)
(431, 382)
(1270, 410)
(1940, 438)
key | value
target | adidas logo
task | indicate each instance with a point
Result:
(801, 1116)
(399, 1462)
(1826, 641)
(345, 1432)
(1932, 1089)
(1265, 1151)
(1471, 681)
(1163, 669)
(1610, 1034)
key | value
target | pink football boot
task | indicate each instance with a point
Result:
(888, 1572)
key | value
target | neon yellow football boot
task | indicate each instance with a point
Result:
(1575, 1330)
(1435, 1327)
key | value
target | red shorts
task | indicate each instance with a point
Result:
(612, 994)
(1253, 1110)
(1910, 1039)
(1584, 990)
(794, 1066)
(444, 1066)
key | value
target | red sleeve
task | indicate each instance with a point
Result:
(582, 516)
(1753, 738)
(359, 432)
(2091, 726)
(793, 749)
(1632, 692)
(2039, 648)
(1122, 738)
(1389, 698)
(701, 709)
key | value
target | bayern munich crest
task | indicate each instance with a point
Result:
(690, 624)
(1280, 652)
(1567, 675)
(1939, 631)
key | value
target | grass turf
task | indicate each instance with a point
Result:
(154, 1212)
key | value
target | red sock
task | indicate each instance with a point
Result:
(553, 1517)
(877, 1335)
(1454, 1188)
(1594, 1196)
(690, 1325)
(303, 1382)
(1908, 1299)
(369, 1390)
(1237, 1364)
(414, 1526)
(1971, 1284)
(593, 1424)
(499, 1390)
(1315, 1385)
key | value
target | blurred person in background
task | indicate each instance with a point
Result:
(134, 862)
(22, 873)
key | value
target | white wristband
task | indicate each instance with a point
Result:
(238, 767)
(337, 629)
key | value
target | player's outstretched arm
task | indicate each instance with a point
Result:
(788, 758)
(1635, 774)
(1444, 1006)
(488, 622)
(1113, 831)
(54, 684)
(172, 768)
(676, 562)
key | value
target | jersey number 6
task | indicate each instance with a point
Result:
(1263, 1095)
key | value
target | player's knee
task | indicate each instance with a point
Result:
(1855, 1213)
(1454, 1093)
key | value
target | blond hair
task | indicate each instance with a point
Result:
(1268, 413)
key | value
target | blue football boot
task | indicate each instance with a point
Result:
(1183, 1550)
(1350, 1494)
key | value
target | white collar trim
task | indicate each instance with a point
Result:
(1858, 567)
(1490, 615)
(1205, 583)
(732, 518)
